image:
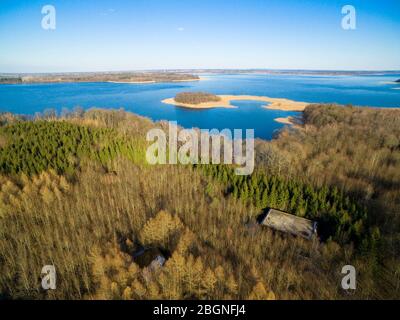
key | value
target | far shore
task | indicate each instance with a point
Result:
(225, 102)
(110, 77)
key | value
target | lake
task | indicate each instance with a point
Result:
(145, 99)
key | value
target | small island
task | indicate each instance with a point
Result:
(202, 100)
(196, 98)
(397, 81)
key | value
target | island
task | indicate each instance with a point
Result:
(114, 77)
(206, 101)
(196, 98)
(397, 81)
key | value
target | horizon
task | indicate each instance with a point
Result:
(117, 36)
(205, 70)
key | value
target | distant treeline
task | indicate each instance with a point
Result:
(10, 80)
(196, 97)
(99, 77)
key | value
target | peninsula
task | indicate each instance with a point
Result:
(288, 120)
(225, 101)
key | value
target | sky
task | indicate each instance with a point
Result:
(102, 35)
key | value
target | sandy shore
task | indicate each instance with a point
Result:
(203, 78)
(288, 120)
(294, 122)
(225, 102)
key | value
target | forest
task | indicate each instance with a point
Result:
(8, 80)
(76, 192)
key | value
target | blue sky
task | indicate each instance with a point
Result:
(100, 35)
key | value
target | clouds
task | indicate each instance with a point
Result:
(181, 29)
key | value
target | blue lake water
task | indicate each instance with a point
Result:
(145, 99)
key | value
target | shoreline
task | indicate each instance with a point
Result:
(292, 121)
(94, 81)
(153, 81)
(187, 80)
(225, 102)
(389, 82)
(287, 120)
(132, 82)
